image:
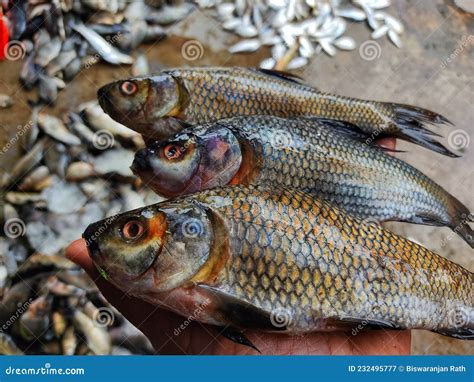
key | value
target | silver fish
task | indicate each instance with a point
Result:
(103, 48)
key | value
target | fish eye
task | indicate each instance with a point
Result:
(133, 230)
(128, 88)
(173, 151)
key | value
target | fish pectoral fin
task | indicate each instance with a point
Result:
(282, 75)
(236, 312)
(460, 334)
(236, 336)
(371, 324)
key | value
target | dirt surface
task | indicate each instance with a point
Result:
(433, 70)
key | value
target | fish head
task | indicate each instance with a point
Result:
(191, 161)
(152, 249)
(140, 102)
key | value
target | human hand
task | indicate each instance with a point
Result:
(162, 327)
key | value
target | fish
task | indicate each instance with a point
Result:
(29, 72)
(279, 260)
(59, 323)
(97, 338)
(169, 14)
(160, 105)
(48, 52)
(27, 162)
(37, 180)
(109, 53)
(5, 101)
(47, 89)
(55, 128)
(100, 121)
(141, 66)
(78, 171)
(17, 18)
(8, 346)
(34, 323)
(318, 156)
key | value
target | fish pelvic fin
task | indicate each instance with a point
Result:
(412, 122)
(238, 337)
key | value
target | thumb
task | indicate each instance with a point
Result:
(77, 252)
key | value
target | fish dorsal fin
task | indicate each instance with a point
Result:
(282, 75)
(368, 323)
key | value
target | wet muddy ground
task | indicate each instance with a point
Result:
(433, 70)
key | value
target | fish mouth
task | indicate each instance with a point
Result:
(91, 236)
(103, 97)
(140, 162)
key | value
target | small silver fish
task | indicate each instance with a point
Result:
(103, 48)
(55, 128)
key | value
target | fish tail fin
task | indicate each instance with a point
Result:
(455, 215)
(466, 233)
(460, 218)
(411, 122)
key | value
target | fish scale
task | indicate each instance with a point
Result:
(311, 264)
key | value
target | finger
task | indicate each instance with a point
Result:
(77, 252)
(388, 143)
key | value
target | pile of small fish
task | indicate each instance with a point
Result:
(275, 190)
(74, 170)
(301, 28)
(61, 37)
(52, 307)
